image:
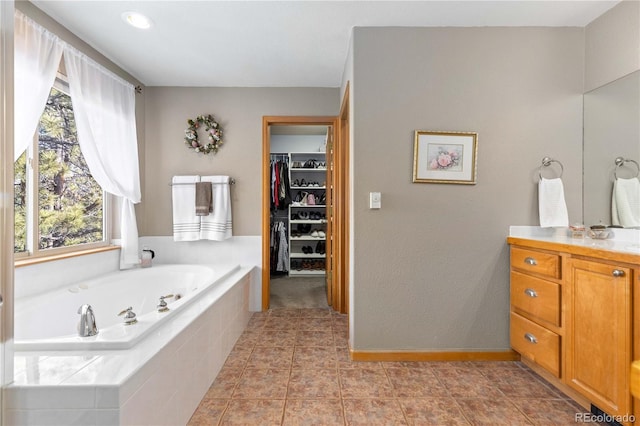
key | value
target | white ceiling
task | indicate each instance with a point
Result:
(276, 43)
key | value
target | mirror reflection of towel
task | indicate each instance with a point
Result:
(551, 204)
(625, 202)
(204, 197)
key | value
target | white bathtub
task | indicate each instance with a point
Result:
(49, 321)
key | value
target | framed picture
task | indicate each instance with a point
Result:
(445, 157)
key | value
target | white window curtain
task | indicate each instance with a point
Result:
(37, 55)
(104, 108)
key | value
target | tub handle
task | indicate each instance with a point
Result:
(162, 306)
(130, 317)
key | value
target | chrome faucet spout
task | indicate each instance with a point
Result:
(87, 326)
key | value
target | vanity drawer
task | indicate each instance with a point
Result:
(537, 262)
(536, 343)
(536, 296)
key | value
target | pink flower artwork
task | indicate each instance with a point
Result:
(445, 157)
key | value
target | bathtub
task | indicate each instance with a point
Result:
(49, 321)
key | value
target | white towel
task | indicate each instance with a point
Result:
(217, 225)
(625, 202)
(551, 204)
(186, 225)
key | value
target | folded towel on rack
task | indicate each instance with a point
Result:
(217, 226)
(186, 225)
(551, 204)
(203, 199)
(625, 202)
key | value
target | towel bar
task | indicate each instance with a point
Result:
(232, 181)
(546, 162)
(620, 163)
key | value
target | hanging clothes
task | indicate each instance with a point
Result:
(279, 247)
(280, 191)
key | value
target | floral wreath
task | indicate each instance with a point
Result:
(211, 127)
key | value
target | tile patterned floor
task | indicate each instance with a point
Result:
(292, 367)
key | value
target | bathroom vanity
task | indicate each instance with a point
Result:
(572, 316)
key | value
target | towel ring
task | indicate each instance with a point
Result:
(546, 162)
(620, 163)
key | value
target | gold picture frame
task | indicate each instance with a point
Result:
(445, 157)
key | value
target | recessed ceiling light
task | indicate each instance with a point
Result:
(136, 19)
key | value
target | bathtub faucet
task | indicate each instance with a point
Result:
(162, 305)
(87, 325)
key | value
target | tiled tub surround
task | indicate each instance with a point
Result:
(159, 381)
(165, 370)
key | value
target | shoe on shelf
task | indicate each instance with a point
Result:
(321, 234)
(314, 234)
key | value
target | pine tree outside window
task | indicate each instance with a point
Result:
(58, 205)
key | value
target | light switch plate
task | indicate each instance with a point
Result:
(375, 200)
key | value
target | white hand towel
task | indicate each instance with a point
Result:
(625, 202)
(217, 226)
(186, 225)
(551, 204)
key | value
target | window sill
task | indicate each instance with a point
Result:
(35, 260)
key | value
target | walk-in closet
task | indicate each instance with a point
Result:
(298, 215)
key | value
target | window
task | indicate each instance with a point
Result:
(58, 205)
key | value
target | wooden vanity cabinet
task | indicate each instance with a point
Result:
(572, 318)
(535, 307)
(599, 340)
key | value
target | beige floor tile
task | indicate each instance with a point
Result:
(313, 412)
(433, 411)
(499, 411)
(314, 338)
(270, 357)
(224, 384)
(263, 412)
(415, 382)
(208, 412)
(314, 384)
(315, 357)
(280, 338)
(548, 411)
(262, 383)
(365, 383)
(371, 412)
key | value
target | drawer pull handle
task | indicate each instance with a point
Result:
(618, 273)
(531, 338)
(531, 292)
(530, 261)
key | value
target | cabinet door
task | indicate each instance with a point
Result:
(599, 335)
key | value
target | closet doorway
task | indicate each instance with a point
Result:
(299, 223)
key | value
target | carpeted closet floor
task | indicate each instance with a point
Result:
(298, 292)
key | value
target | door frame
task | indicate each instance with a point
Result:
(342, 201)
(268, 121)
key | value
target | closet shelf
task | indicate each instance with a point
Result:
(308, 187)
(308, 169)
(312, 206)
(321, 221)
(309, 238)
(307, 256)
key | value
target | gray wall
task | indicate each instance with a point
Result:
(240, 112)
(431, 267)
(612, 49)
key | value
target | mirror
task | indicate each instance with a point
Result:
(611, 130)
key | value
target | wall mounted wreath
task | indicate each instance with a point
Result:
(211, 128)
